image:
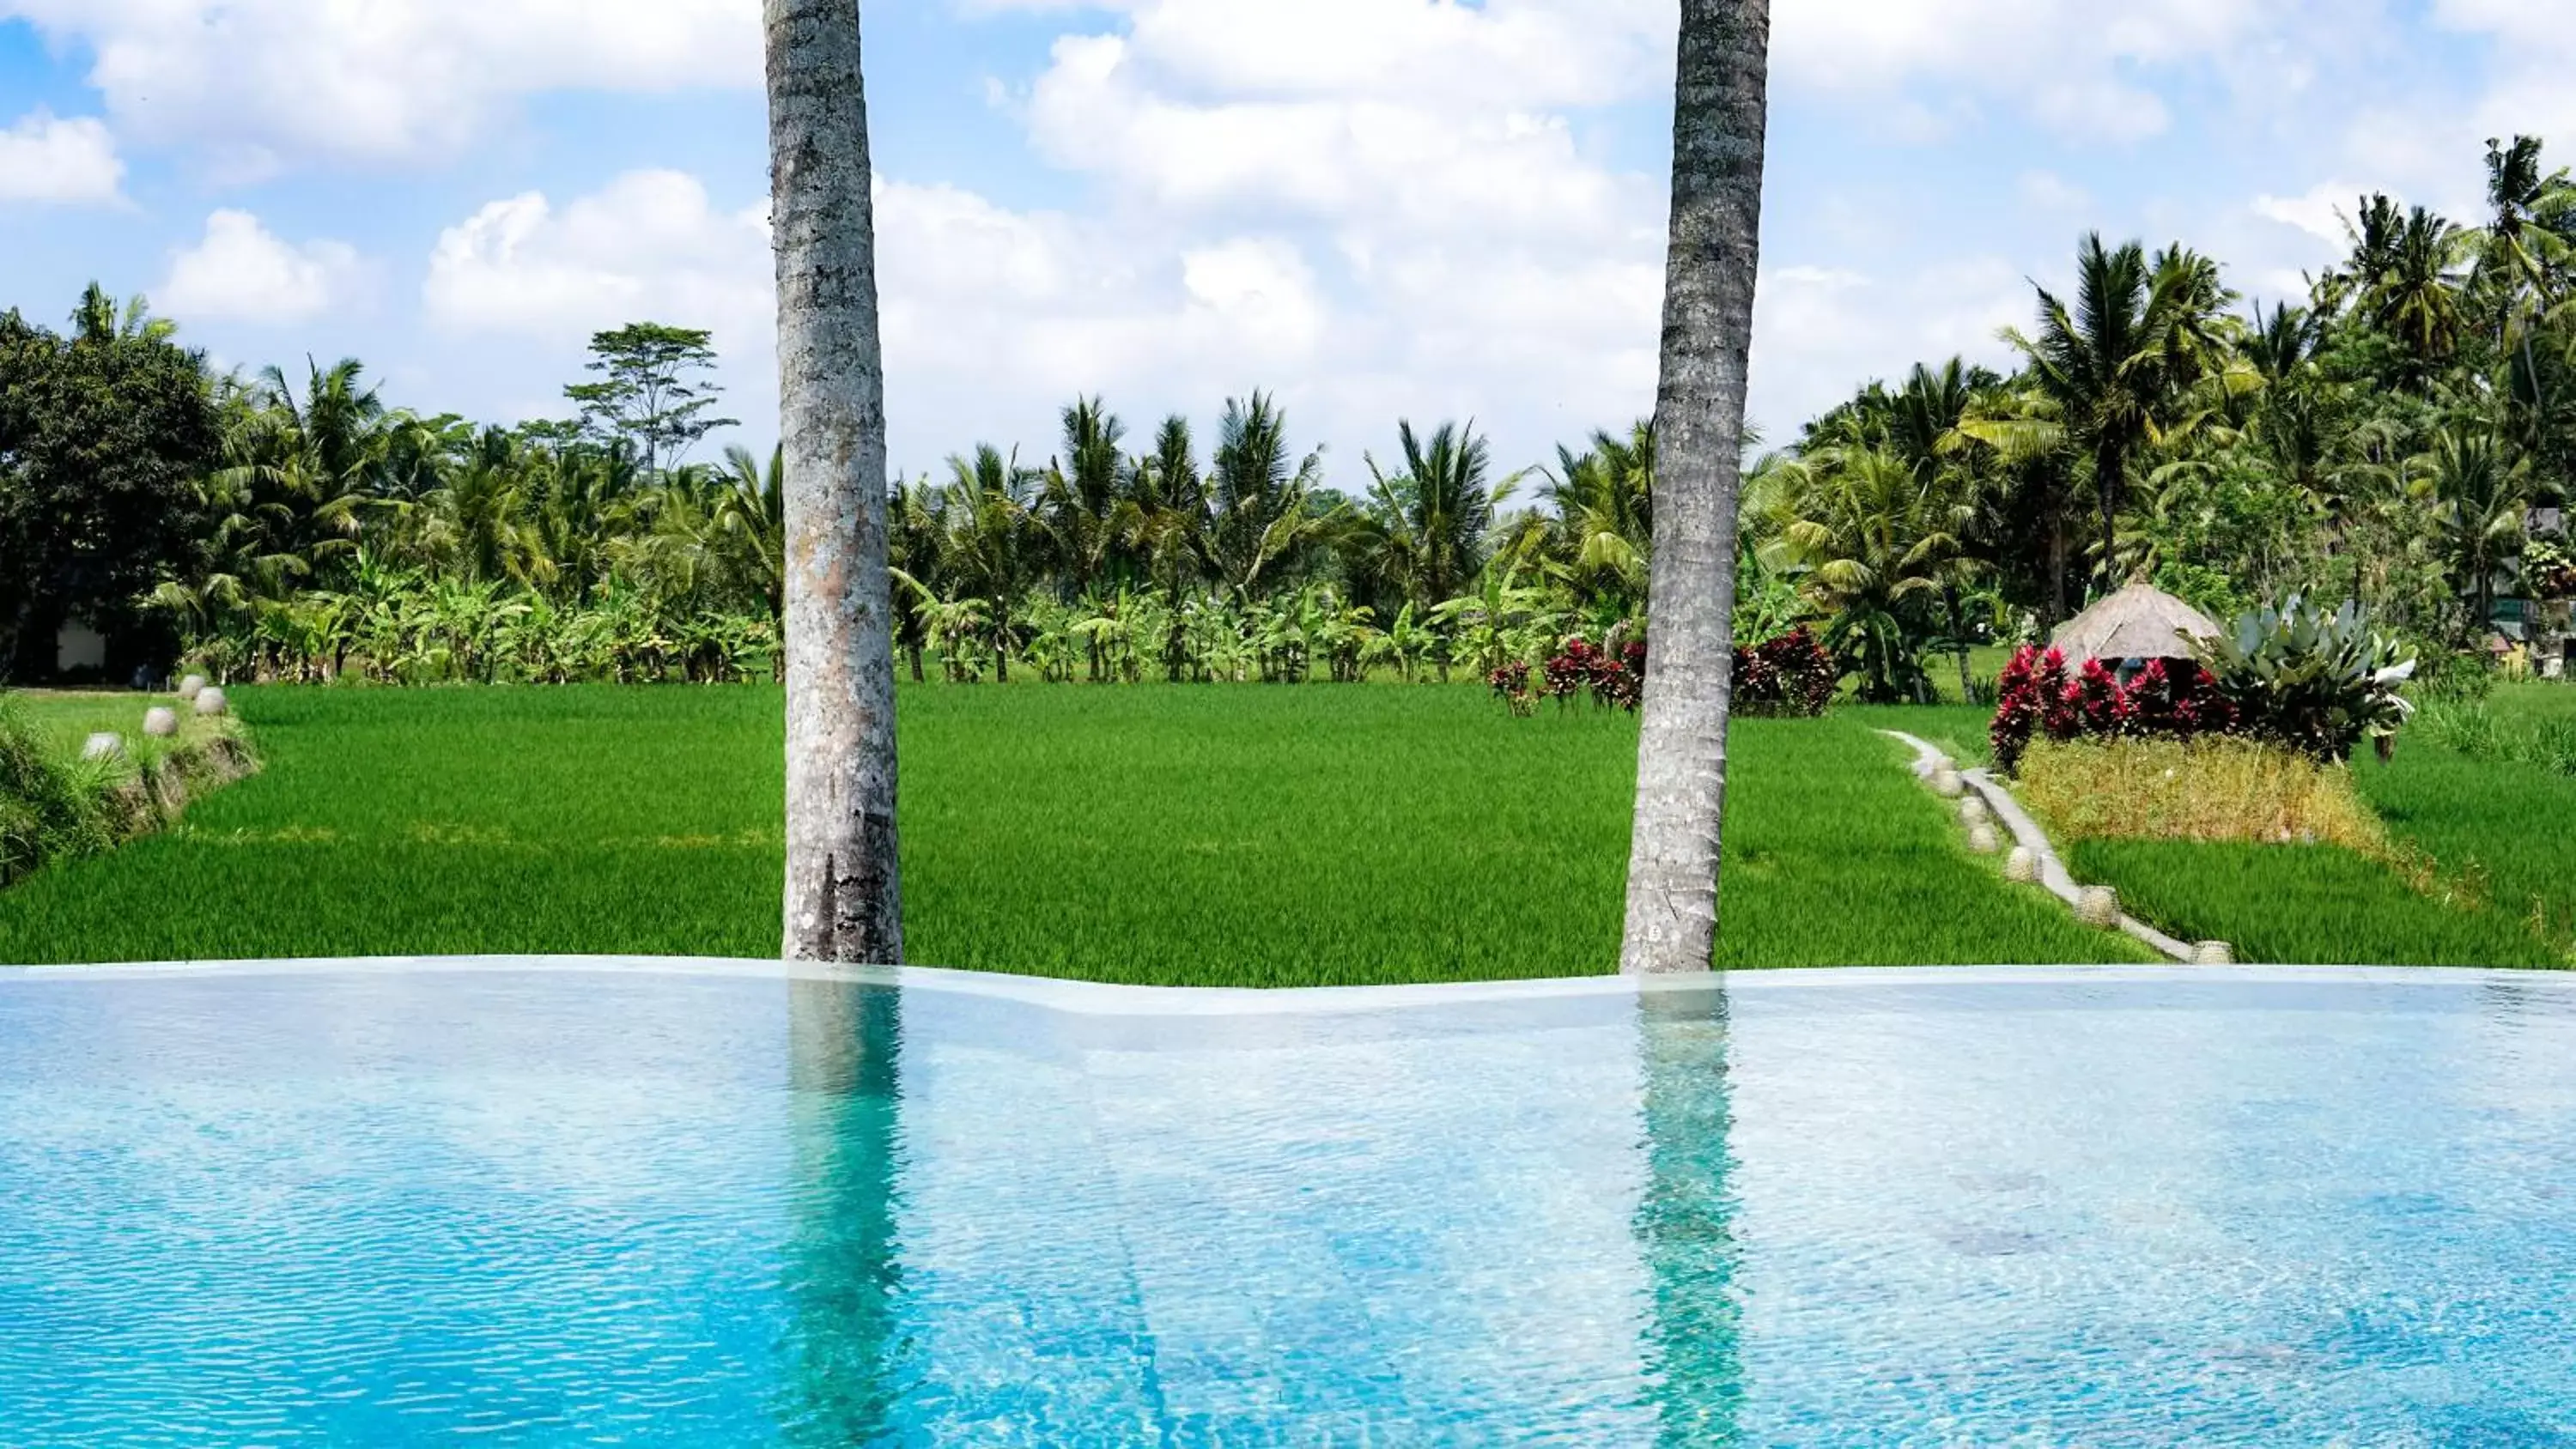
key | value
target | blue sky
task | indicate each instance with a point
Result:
(1375, 208)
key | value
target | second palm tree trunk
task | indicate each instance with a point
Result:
(844, 897)
(1720, 119)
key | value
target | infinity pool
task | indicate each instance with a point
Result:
(665, 1204)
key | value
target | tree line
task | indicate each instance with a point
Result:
(2384, 441)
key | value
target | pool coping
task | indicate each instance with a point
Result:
(1096, 998)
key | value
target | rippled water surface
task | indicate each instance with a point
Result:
(532, 1206)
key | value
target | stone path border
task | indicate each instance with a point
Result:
(2061, 883)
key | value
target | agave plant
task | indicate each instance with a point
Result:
(2314, 681)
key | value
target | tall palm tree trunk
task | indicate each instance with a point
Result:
(844, 899)
(1719, 123)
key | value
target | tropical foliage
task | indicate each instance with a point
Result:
(2400, 439)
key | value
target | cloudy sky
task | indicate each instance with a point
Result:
(1375, 208)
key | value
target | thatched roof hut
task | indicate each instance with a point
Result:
(2136, 623)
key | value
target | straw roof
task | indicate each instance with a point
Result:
(2136, 623)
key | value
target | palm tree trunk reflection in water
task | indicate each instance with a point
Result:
(1685, 1226)
(841, 1384)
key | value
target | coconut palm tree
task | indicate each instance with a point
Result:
(1265, 512)
(750, 535)
(2121, 363)
(844, 895)
(2483, 498)
(1423, 531)
(1599, 525)
(995, 549)
(1878, 545)
(1720, 123)
(1085, 510)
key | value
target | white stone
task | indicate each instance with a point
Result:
(161, 724)
(1983, 840)
(2213, 953)
(190, 687)
(104, 746)
(211, 702)
(2099, 907)
(1948, 785)
(2021, 867)
(1973, 811)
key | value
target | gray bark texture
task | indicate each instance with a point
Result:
(1719, 122)
(844, 897)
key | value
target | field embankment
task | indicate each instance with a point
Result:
(61, 801)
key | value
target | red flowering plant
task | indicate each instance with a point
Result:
(1790, 675)
(1575, 668)
(1619, 681)
(2099, 701)
(2169, 699)
(2177, 699)
(2031, 700)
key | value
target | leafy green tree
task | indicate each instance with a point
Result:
(105, 433)
(656, 392)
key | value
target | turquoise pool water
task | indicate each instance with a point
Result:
(717, 1206)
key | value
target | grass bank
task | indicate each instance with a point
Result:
(2471, 875)
(58, 803)
(1266, 837)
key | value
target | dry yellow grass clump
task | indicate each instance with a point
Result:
(2209, 789)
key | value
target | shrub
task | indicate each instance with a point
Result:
(1793, 675)
(2168, 699)
(2549, 568)
(2214, 788)
(2316, 682)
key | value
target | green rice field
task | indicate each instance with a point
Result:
(1213, 836)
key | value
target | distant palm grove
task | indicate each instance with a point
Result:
(2401, 437)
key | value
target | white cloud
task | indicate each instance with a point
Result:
(2077, 66)
(2320, 212)
(241, 272)
(2046, 191)
(69, 161)
(263, 84)
(1821, 332)
(651, 244)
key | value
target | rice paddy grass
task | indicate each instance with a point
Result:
(2298, 905)
(2499, 829)
(1235, 836)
